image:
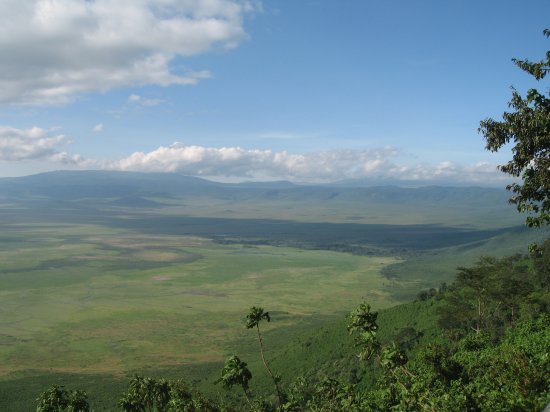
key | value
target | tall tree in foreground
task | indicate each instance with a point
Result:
(253, 319)
(528, 127)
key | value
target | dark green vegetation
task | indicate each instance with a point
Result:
(58, 399)
(528, 128)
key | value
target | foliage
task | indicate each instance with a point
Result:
(326, 395)
(513, 375)
(528, 126)
(235, 372)
(253, 319)
(541, 280)
(148, 395)
(482, 370)
(495, 293)
(255, 316)
(58, 399)
(362, 324)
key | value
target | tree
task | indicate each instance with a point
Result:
(235, 372)
(528, 127)
(488, 296)
(362, 324)
(58, 399)
(253, 319)
(141, 396)
(475, 373)
(151, 395)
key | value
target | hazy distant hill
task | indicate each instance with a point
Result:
(177, 194)
(103, 184)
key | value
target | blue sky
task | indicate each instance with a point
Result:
(302, 90)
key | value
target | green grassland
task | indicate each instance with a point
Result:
(437, 207)
(89, 299)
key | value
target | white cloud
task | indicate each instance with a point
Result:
(142, 101)
(446, 171)
(235, 163)
(326, 166)
(238, 162)
(134, 98)
(98, 128)
(54, 50)
(31, 144)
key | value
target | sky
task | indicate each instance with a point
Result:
(234, 90)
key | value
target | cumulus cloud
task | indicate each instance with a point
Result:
(247, 163)
(325, 166)
(448, 172)
(98, 128)
(55, 49)
(236, 163)
(34, 144)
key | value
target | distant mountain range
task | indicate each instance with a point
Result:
(96, 184)
(192, 196)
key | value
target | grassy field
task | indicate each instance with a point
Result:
(345, 208)
(91, 299)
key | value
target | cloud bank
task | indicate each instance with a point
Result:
(53, 50)
(236, 163)
(317, 167)
(246, 163)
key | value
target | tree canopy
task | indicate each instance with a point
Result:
(528, 127)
